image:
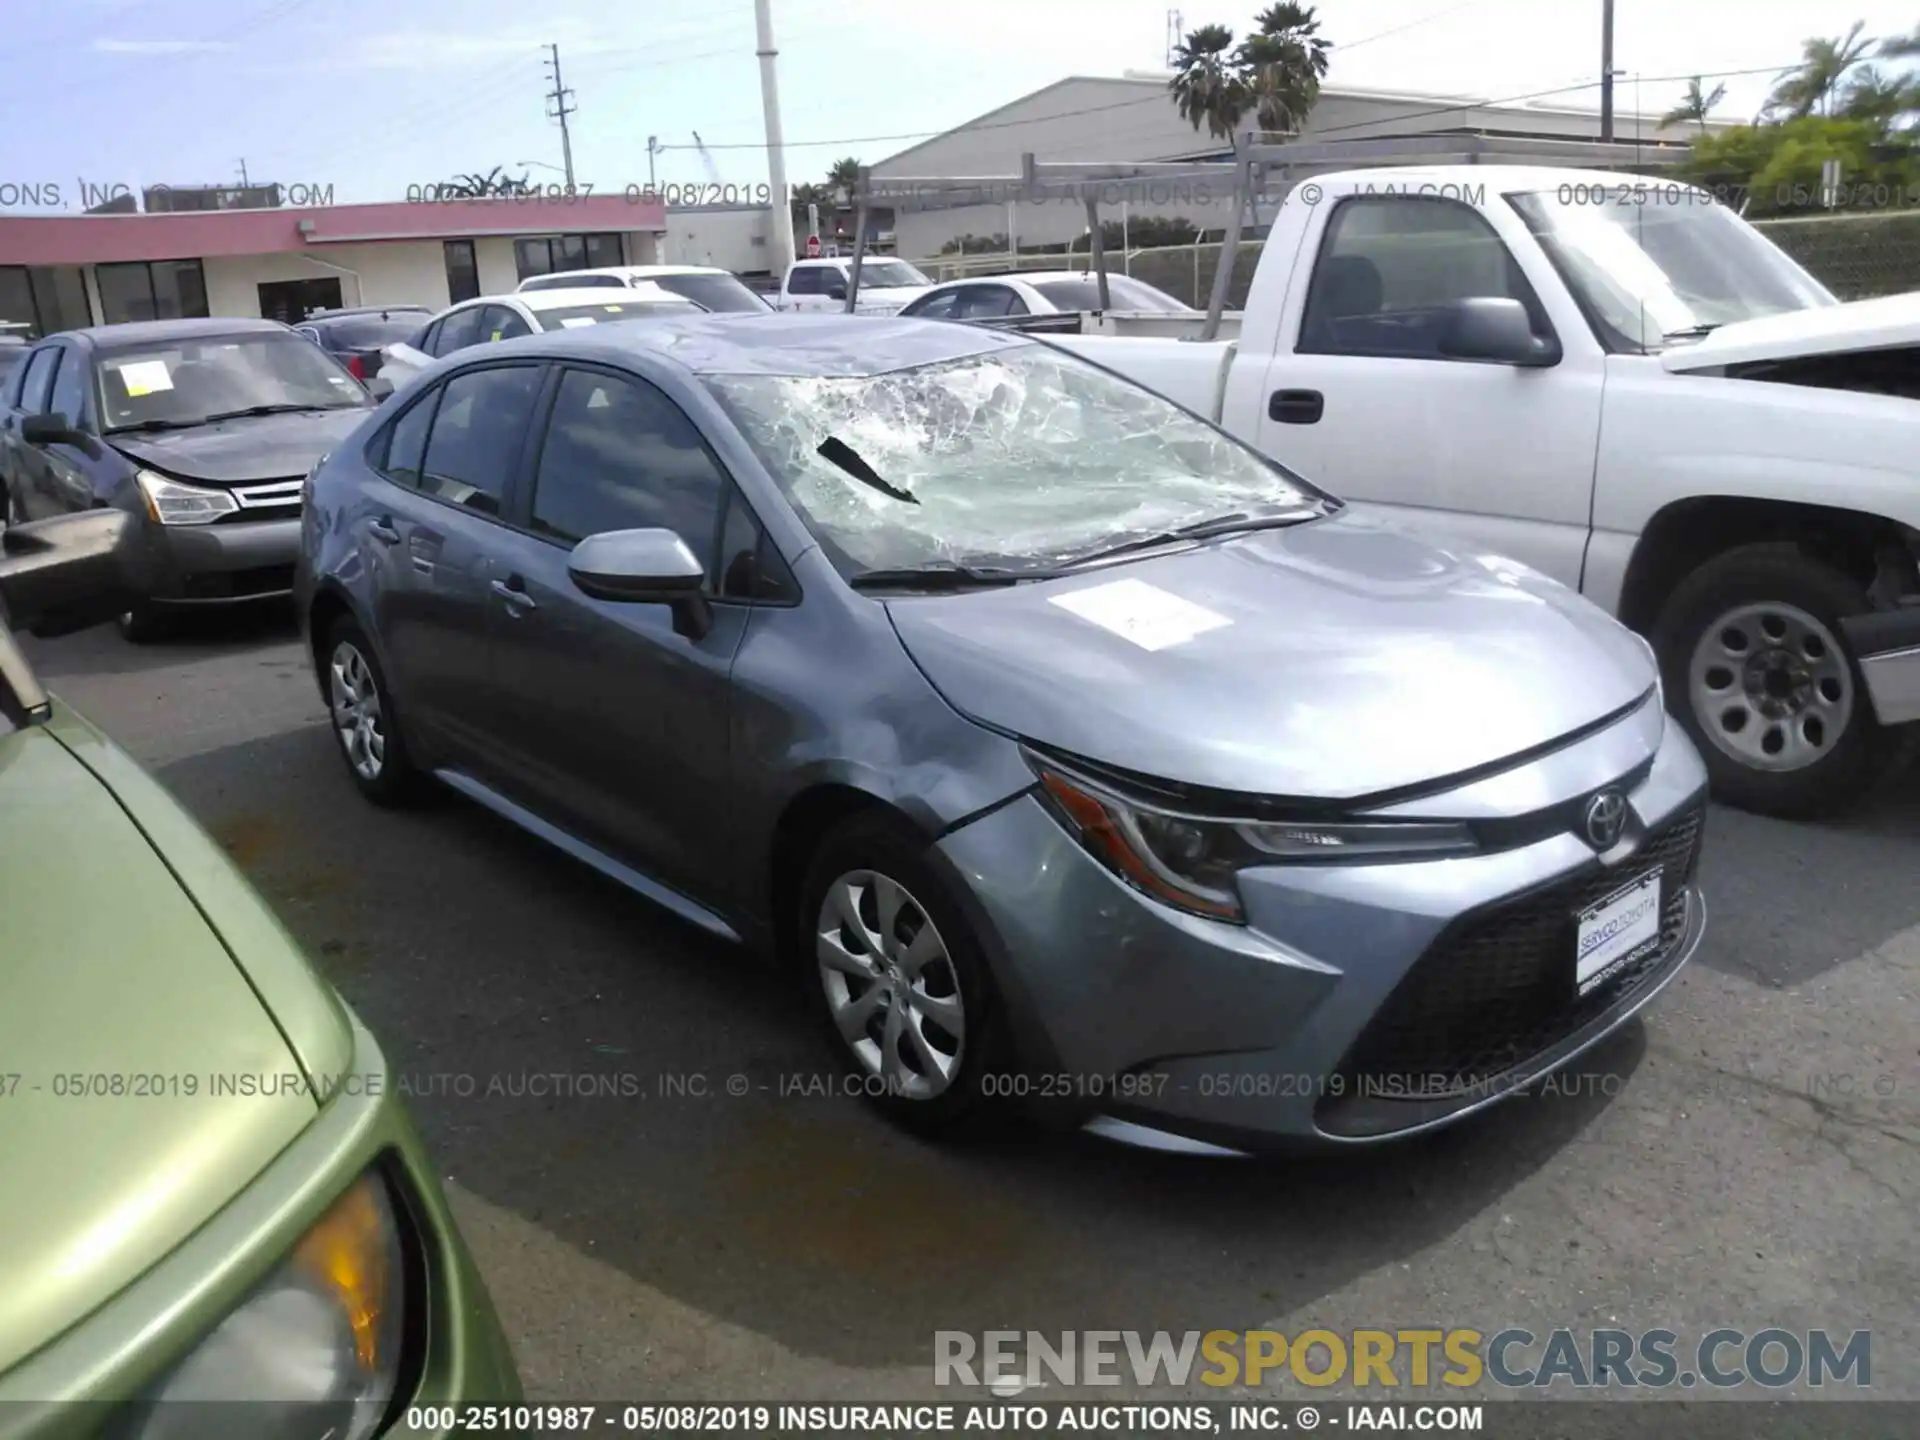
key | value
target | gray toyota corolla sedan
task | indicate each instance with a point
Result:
(1067, 748)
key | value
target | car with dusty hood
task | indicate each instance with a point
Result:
(200, 429)
(213, 1192)
(1618, 381)
(1043, 729)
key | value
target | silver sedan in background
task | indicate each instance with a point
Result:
(1066, 747)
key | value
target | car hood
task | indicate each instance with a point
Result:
(114, 983)
(1336, 659)
(241, 452)
(1882, 324)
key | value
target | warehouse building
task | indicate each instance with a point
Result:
(1133, 119)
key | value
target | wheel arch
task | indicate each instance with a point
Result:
(1882, 554)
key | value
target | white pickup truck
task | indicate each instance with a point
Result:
(1622, 384)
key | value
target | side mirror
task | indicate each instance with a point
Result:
(1496, 330)
(54, 429)
(71, 572)
(378, 387)
(646, 567)
(836, 291)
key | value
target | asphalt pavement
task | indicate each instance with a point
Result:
(631, 1118)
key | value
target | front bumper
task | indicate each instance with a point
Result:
(126, 1345)
(1152, 1023)
(227, 562)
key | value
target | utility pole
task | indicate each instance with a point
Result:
(244, 182)
(782, 257)
(560, 95)
(1606, 70)
(653, 149)
(1176, 23)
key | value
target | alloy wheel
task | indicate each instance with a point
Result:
(891, 986)
(355, 702)
(1771, 687)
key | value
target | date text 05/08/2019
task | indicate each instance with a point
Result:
(440, 192)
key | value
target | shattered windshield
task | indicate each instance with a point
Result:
(1655, 263)
(1017, 456)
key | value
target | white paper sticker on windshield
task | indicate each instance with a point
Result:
(1148, 616)
(143, 377)
(574, 322)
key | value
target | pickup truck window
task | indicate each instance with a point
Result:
(806, 280)
(1650, 269)
(1391, 266)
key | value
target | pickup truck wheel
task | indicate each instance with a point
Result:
(1757, 670)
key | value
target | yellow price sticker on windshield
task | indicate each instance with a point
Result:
(496, 335)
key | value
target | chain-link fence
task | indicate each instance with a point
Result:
(1855, 256)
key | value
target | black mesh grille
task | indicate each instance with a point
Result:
(1498, 988)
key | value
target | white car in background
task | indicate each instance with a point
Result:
(503, 317)
(886, 284)
(708, 286)
(1040, 292)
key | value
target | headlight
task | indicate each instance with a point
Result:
(314, 1351)
(1190, 861)
(169, 502)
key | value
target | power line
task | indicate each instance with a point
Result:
(1344, 46)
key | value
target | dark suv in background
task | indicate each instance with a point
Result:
(354, 337)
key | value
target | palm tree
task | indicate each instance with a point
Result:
(1695, 107)
(844, 177)
(1823, 67)
(1207, 87)
(1873, 94)
(1901, 47)
(495, 182)
(1282, 64)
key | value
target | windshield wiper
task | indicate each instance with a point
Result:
(943, 576)
(282, 408)
(836, 451)
(154, 425)
(1692, 332)
(1219, 525)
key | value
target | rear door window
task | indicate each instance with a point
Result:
(476, 437)
(459, 330)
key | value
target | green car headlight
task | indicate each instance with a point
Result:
(314, 1351)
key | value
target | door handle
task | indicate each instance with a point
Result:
(517, 599)
(1296, 407)
(383, 531)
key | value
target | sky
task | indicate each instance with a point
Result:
(373, 98)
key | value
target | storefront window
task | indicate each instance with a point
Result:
(152, 290)
(45, 299)
(551, 253)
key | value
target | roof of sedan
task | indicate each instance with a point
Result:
(783, 343)
(152, 332)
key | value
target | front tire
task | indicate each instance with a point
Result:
(364, 720)
(1757, 669)
(896, 976)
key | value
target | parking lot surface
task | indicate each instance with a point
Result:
(637, 1130)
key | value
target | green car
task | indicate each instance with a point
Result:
(209, 1191)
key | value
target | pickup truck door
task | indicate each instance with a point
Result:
(1493, 457)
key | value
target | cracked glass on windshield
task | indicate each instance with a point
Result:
(1018, 456)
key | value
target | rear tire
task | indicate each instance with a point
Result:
(364, 719)
(1756, 668)
(896, 977)
(144, 624)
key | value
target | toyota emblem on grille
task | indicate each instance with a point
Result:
(1606, 818)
